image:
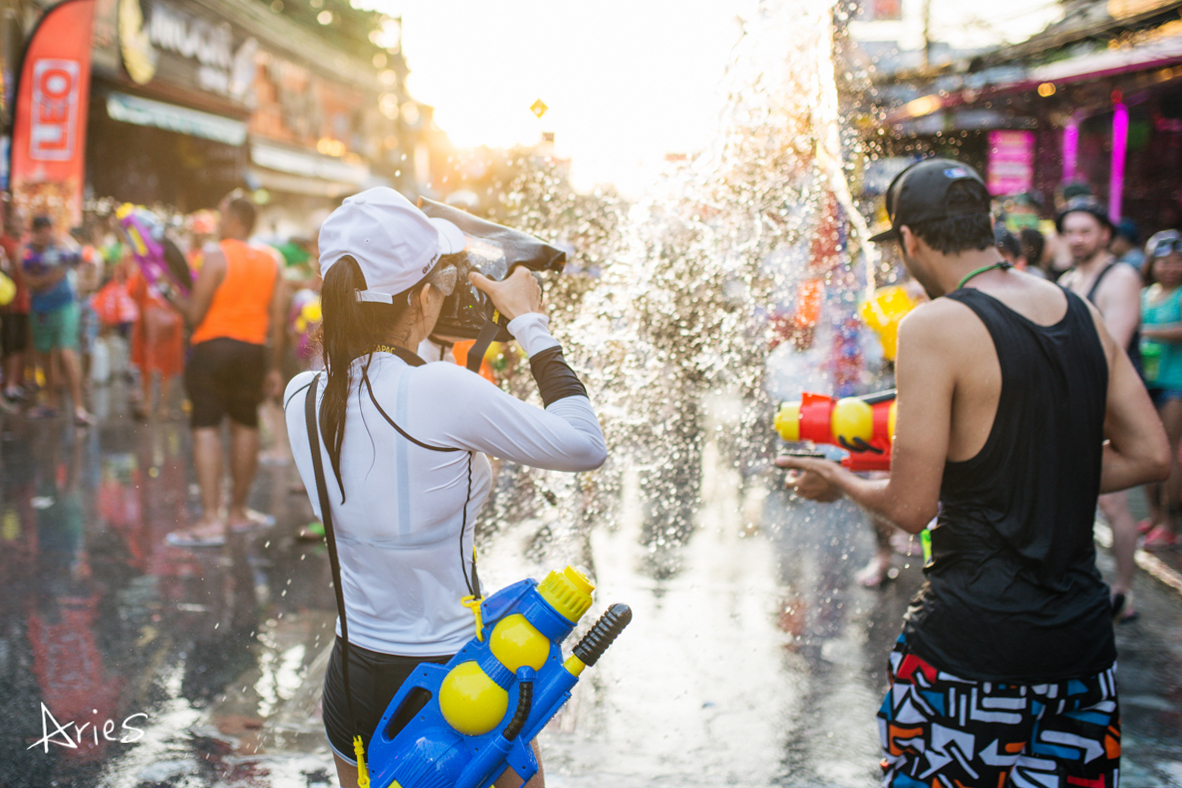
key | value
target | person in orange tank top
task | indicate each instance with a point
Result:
(236, 304)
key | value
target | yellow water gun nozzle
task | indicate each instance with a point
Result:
(787, 421)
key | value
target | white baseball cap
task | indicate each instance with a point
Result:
(394, 242)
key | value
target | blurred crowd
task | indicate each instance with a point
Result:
(76, 310)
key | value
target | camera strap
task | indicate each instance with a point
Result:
(485, 338)
(473, 601)
(338, 588)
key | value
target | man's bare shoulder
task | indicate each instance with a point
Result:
(943, 330)
(1123, 276)
(938, 317)
(213, 256)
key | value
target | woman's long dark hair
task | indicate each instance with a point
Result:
(351, 329)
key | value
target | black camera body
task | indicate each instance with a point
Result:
(493, 250)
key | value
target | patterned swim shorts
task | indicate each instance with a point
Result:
(941, 731)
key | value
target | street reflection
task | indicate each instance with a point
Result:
(755, 658)
(154, 664)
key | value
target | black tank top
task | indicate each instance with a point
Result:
(1134, 347)
(1013, 593)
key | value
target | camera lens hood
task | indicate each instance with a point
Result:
(494, 250)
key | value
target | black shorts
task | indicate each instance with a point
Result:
(224, 377)
(375, 679)
(14, 333)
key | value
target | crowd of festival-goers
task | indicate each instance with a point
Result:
(72, 301)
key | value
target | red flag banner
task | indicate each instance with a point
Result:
(49, 123)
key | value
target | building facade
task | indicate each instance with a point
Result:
(191, 99)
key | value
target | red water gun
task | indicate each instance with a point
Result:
(863, 426)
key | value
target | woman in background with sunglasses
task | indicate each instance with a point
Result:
(405, 442)
(1161, 352)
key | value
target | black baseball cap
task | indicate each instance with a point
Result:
(920, 194)
(1077, 189)
(1084, 204)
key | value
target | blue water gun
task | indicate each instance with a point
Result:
(451, 725)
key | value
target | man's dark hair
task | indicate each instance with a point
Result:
(956, 234)
(243, 211)
(1006, 241)
(1033, 245)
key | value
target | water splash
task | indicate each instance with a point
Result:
(683, 293)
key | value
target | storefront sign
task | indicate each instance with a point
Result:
(160, 42)
(56, 101)
(1011, 162)
(49, 125)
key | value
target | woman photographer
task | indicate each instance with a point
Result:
(403, 446)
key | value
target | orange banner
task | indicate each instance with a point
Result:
(49, 123)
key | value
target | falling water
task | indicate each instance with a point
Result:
(678, 320)
(694, 285)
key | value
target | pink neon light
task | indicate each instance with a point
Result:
(1070, 149)
(1120, 145)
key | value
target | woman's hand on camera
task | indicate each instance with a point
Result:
(519, 294)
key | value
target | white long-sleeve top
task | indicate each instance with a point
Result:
(404, 530)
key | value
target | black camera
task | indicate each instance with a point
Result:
(493, 250)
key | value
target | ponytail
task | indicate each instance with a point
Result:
(350, 329)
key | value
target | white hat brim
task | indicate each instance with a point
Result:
(451, 238)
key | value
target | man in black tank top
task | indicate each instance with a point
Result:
(1016, 408)
(1115, 289)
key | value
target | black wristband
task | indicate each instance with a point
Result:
(556, 380)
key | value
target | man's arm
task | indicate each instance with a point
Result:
(1171, 332)
(1120, 303)
(37, 282)
(18, 270)
(1136, 451)
(925, 379)
(194, 306)
(280, 299)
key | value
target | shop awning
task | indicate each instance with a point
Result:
(301, 184)
(182, 120)
(1155, 53)
(1164, 53)
(309, 165)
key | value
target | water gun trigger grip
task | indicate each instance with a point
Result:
(857, 445)
(520, 759)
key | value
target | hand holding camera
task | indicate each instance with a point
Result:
(519, 294)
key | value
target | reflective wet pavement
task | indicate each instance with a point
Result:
(754, 659)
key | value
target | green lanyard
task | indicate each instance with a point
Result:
(1002, 264)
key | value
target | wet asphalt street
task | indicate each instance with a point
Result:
(754, 658)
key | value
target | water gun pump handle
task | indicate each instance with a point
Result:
(601, 635)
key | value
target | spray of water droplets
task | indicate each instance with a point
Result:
(671, 303)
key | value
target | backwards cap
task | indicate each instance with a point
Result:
(920, 194)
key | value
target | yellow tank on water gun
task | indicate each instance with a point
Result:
(863, 426)
(883, 312)
(461, 724)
